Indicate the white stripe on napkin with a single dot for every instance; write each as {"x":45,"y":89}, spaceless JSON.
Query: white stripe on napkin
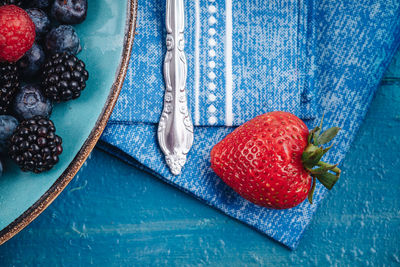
{"x":228,"y":64}
{"x":197,"y":65}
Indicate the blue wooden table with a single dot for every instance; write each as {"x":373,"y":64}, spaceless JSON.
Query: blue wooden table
{"x":114,"y":214}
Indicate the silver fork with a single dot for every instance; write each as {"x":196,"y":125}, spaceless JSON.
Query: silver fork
{"x":175,"y":128}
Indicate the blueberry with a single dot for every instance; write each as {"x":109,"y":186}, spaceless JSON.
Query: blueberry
{"x":30,"y":64}
{"x":42,"y":22}
{"x":42,"y":4}
{"x":63,"y":39}
{"x":8,"y":124}
{"x":69,"y":11}
{"x":30,"y":102}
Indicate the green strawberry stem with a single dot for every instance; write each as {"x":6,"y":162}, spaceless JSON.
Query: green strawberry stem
{"x":327,"y":174}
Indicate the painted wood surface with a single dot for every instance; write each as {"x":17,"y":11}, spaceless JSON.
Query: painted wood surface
{"x":115,"y":215}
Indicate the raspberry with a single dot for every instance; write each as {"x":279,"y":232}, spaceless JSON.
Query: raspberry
{"x":17,"y":33}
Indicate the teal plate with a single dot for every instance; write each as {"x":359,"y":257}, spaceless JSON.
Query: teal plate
{"x":107,"y":36}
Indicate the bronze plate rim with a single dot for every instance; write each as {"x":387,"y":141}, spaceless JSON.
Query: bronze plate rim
{"x":47,"y":198}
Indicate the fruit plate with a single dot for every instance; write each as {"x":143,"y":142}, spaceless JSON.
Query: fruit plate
{"x":107,"y":37}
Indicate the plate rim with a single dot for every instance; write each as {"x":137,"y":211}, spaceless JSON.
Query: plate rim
{"x":69,"y":173}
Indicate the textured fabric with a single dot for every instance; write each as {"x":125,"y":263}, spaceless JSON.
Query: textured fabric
{"x":355,"y":41}
{"x":265,"y":69}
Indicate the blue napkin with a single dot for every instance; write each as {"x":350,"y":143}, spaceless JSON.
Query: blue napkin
{"x":355,"y":41}
{"x":244,"y":58}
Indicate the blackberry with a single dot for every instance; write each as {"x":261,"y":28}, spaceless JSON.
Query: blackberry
{"x":34,"y":146}
{"x":64,"y":77}
{"x":9,"y":83}
{"x":11,"y":2}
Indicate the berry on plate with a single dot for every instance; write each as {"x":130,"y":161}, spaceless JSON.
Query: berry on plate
{"x":9,"y":84}
{"x":69,"y":11}
{"x":274,"y":161}
{"x":30,"y":102}
{"x":63,"y":39}
{"x":31,"y":63}
{"x":17,"y":33}
{"x":64,"y":77}
{"x":34,"y":146}
{"x":41,"y":21}
{"x":42,"y":4}
{"x":8,"y":124}
{"x":11,"y":2}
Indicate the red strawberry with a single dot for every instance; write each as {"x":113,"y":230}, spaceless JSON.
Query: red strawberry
{"x":270,"y":160}
{"x":17,"y":33}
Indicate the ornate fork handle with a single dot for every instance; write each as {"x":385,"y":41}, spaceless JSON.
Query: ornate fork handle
{"x":175,"y":129}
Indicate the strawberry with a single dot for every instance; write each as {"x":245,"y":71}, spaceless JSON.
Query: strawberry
{"x":274,"y":161}
{"x":17,"y":33}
